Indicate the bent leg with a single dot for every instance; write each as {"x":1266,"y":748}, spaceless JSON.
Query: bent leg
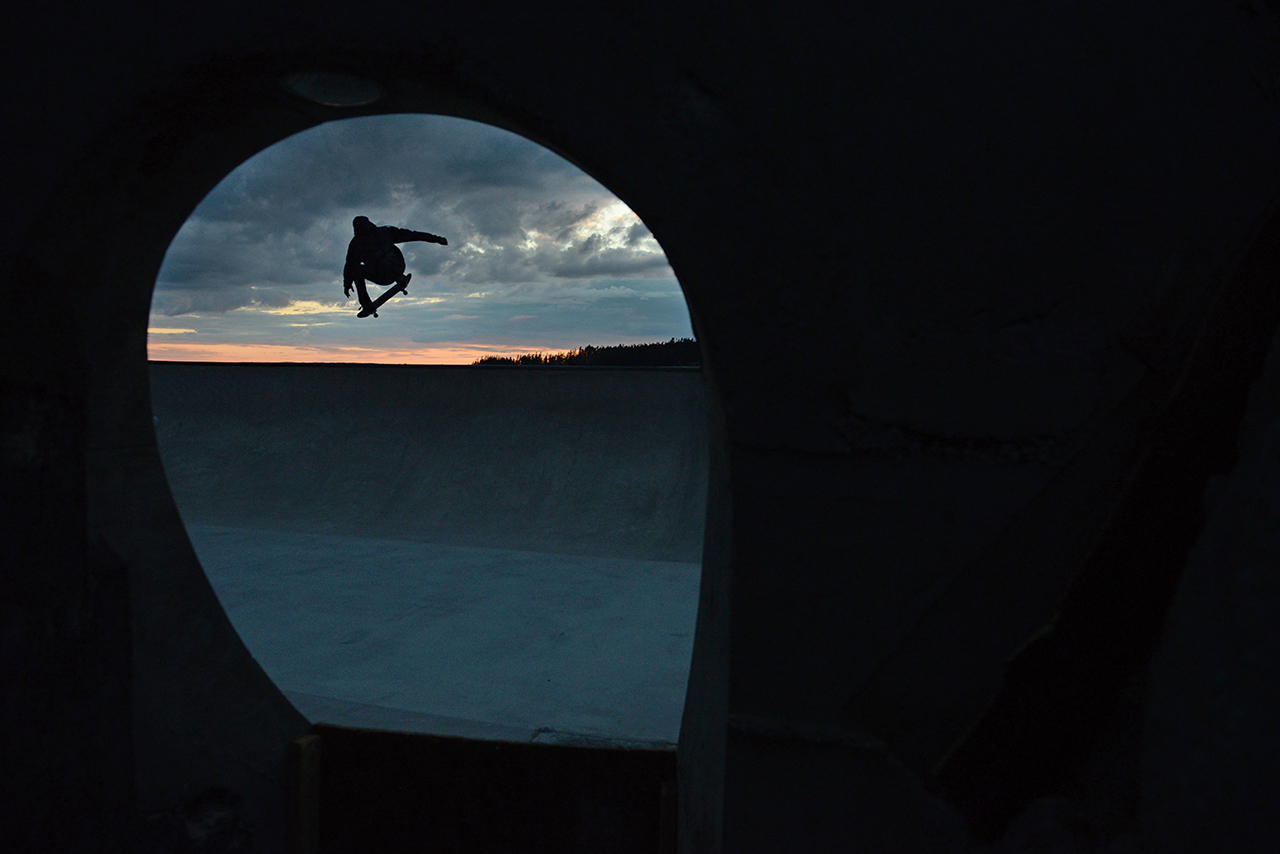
{"x":362,"y":293}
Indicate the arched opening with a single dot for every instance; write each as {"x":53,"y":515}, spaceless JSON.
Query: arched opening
{"x":508,"y":554}
{"x":204,"y":718}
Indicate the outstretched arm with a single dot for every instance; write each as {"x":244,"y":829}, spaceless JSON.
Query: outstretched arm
{"x":404,"y":235}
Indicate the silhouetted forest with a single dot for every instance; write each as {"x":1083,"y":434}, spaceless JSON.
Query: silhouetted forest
{"x":661,"y":354}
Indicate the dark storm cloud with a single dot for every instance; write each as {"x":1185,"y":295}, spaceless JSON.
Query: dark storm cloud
{"x":611,"y":262}
{"x":277,"y":227}
{"x":544,"y":315}
{"x":504,"y":265}
{"x":369,"y":162}
{"x":383,"y":162}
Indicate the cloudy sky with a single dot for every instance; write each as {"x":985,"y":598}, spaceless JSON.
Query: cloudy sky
{"x":541,"y":257}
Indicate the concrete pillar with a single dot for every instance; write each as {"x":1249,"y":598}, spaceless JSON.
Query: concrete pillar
{"x":1211,"y":749}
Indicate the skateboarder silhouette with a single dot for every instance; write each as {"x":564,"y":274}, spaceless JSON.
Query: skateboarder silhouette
{"x":373,"y":255}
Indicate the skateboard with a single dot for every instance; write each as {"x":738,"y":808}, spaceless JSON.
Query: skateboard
{"x":383,"y":297}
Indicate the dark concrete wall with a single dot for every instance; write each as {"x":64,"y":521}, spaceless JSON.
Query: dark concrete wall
{"x":1212,"y":746}
{"x":950,"y":265}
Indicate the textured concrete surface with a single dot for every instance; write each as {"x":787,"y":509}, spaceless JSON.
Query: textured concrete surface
{"x":342,"y":514}
{"x":483,"y":643}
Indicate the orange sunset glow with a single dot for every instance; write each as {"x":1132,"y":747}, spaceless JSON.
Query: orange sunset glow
{"x":444,"y":353}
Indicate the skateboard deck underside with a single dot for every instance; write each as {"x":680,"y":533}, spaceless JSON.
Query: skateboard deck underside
{"x":382,"y":300}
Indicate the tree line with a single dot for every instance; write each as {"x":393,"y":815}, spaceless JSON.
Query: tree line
{"x":682,"y":352}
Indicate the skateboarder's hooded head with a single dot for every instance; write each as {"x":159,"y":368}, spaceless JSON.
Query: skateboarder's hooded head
{"x":362,"y":225}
